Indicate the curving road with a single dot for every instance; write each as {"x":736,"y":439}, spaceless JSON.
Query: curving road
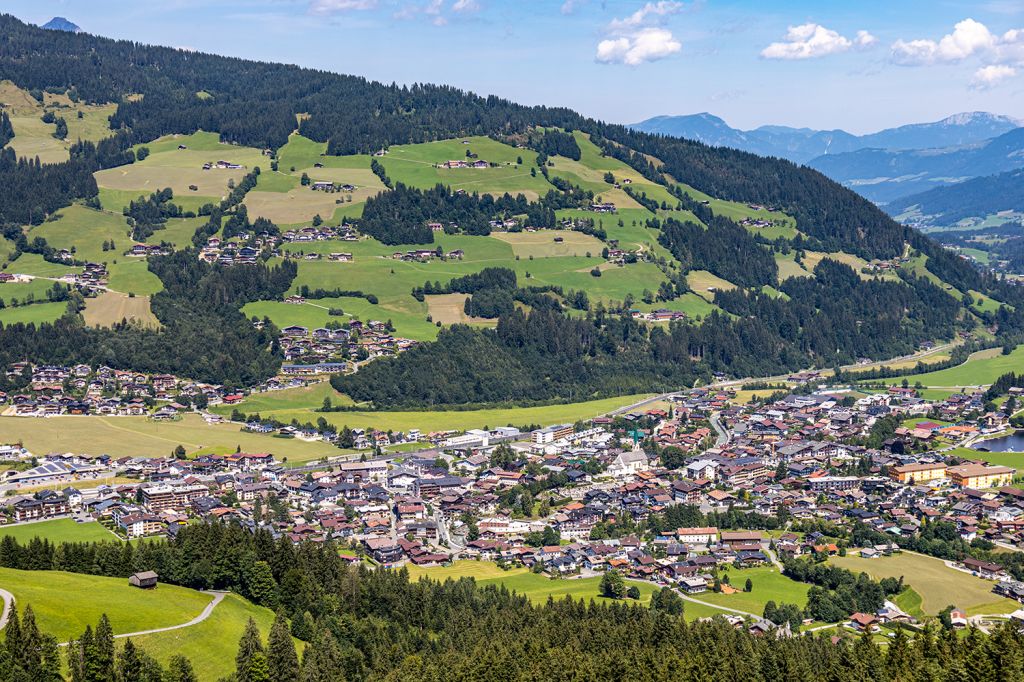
{"x":217,"y":598}
{"x":8,"y":607}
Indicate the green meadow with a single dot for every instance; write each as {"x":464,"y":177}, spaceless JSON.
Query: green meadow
{"x":981,"y":368}
{"x":65,"y":603}
{"x":301,"y":403}
{"x":59,"y":530}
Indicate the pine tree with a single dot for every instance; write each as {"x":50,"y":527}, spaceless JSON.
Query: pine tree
{"x":179,"y":669}
{"x":248,"y":647}
{"x":103,"y":643}
{"x":283,"y":662}
{"x":129,"y":664}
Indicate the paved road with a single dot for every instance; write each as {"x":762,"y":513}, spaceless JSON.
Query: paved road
{"x":8,"y":607}
{"x":723,"y":433}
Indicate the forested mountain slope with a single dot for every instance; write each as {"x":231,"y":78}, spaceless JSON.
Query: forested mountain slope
{"x":777,"y":267}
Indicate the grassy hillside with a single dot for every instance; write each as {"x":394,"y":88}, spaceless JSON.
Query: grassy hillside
{"x":65,"y":603}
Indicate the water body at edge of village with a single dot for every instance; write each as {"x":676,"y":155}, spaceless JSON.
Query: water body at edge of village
{"x":1012,"y":443}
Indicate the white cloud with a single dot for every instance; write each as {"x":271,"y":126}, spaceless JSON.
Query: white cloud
{"x":639,"y":37}
{"x":466,"y":6}
{"x":808,"y":41}
{"x":992,"y":75}
{"x":570,"y":6}
{"x":643,"y":16}
{"x":968,"y":38}
{"x":645,"y":45}
{"x":1000,"y":56}
{"x":334,"y":6}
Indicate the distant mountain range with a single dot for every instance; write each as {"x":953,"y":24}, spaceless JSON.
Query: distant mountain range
{"x":945,"y":206}
{"x":891,"y":167}
{"x":803,"y":144}
{"x":62,"y":24}
{"x":884,"y":176}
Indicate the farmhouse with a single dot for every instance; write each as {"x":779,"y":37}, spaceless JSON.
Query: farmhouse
{"x":145,"y":580}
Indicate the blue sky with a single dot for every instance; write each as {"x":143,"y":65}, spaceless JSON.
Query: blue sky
{"x":858,"y":65}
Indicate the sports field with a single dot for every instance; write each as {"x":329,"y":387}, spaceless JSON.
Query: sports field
{"x":59,"y":530}
{"x":65,"y":603}
{"x":111,"y":307}
{"x":938,"y":585}
{"x":139,"y":436}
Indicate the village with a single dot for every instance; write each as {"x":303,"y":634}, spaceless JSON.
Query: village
{"x":788,"y":477}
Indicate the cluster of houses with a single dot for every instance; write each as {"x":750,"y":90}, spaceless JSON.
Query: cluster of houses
{"x":327,"y":350}
{"x":328,"y":186}
{"x":229,"y":253}
{"x":427,"y":255}
{"x":51,"y":390}
{"x":465,"y":163}
{"x":320,"y":233}
{"x":797,"y":457}
{"x":222,"y":165}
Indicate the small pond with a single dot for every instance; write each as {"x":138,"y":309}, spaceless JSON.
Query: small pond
{"x":1012,"y":443}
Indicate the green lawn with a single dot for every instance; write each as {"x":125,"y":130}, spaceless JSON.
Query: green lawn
{"x":65,"y":603}
{"x":1008,"y":459}
{"x":59,"y":530}
{"x":316,"y":313}
{"x":768,"y":585}
{"x":937,"y":584}
{"x":36,"y":313}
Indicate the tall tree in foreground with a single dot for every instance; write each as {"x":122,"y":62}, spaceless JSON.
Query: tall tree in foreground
{"x":251,"y":660}
{"x":282,"y":660}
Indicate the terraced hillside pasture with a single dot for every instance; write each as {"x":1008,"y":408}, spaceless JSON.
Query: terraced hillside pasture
{"x":169,"y":166}
{"x":37,"y":313}
{"x":420,"y":165}
{"x":450,"y":309}
{"x":705,"y":284}
{"x":295,"y":206}
{"x":111,"y":307}
{"x":375,"y":270}
{"x":550,"y":243}
{"x":84,"y":231}
{"x":938,"y":585}
{"x":33,"y":138}
{"x":315,"y":313}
